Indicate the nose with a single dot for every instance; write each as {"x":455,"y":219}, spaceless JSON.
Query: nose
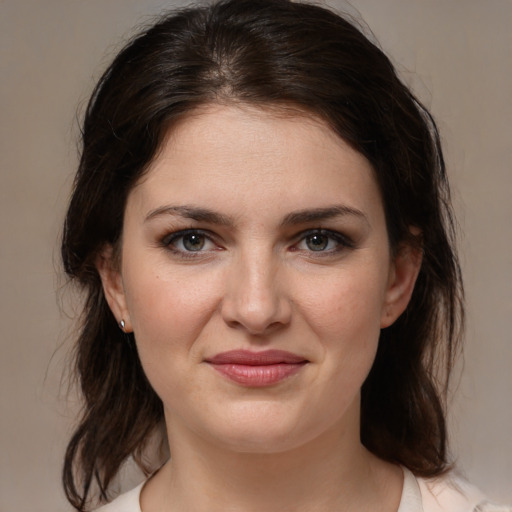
{"x":256,"y":297}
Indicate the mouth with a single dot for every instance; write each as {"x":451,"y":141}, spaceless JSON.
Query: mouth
{"x":257,"y":369}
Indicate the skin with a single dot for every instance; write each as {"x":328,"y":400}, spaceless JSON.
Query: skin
{"x":256,"y":283}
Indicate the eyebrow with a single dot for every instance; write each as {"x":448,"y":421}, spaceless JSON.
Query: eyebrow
{"x":294,"y":218}
{"x":191,"y":212}
{"x":318,"y":214}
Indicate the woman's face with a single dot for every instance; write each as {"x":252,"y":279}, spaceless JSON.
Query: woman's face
{"x":256,"y":275}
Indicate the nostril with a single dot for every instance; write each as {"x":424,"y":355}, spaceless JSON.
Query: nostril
{"x":275,"y":325}
{"x":253,"y":330}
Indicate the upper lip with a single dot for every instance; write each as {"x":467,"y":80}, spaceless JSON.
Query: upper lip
{"x":262,"y":358}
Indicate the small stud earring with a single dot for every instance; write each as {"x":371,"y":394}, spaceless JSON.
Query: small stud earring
{"x":122,"y":325}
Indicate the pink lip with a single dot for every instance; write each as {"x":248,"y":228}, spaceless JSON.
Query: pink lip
{"x":257,"y":369}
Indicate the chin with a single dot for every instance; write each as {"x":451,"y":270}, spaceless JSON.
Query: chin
{"x":258,"y":441}
{"x":265,"y":429}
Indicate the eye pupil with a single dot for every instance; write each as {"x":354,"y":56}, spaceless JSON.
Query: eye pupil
{"x":317,"y":242}
{"x":193,"y":242}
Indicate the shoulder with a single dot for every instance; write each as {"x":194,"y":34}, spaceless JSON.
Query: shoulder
{"x":451,"y":493}
{"x":127,"y":502}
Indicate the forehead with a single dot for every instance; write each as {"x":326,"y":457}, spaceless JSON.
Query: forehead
{"x":221,"y":153}
{"x":237,"y":129}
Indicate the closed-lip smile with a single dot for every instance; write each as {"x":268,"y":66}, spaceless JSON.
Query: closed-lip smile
{"x":257,"y":369}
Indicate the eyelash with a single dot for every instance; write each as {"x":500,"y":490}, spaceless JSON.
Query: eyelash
{"x":170,"y":241}
{"x":341,"y":241}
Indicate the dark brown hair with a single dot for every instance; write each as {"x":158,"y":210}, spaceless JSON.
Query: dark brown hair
{"x":268,"y":53}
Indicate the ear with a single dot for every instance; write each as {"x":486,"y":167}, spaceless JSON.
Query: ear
{"x":404,"y":270}
{"x":110,"y":274}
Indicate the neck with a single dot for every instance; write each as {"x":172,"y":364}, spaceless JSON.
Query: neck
{"x":331,"y":472}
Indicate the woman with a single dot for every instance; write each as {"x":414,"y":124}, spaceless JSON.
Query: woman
{"x":261,"y":222}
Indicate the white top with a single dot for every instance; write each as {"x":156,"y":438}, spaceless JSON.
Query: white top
{"x":444,"y":494}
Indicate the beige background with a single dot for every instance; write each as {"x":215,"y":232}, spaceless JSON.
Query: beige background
{"x":457,"y":54}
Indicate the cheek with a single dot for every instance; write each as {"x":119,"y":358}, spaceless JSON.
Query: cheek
{"x":168,"y":313}
{"x":162,"y":300}
{"x":347,"y":307}
{"x":345,"y":313}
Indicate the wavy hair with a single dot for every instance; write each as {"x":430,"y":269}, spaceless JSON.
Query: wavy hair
{"x":265,"y":53}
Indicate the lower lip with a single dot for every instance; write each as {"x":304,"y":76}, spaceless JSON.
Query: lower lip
{"x":260,"y":375}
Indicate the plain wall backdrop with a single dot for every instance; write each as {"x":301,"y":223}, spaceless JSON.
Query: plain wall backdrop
{"x":457,"y":55}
